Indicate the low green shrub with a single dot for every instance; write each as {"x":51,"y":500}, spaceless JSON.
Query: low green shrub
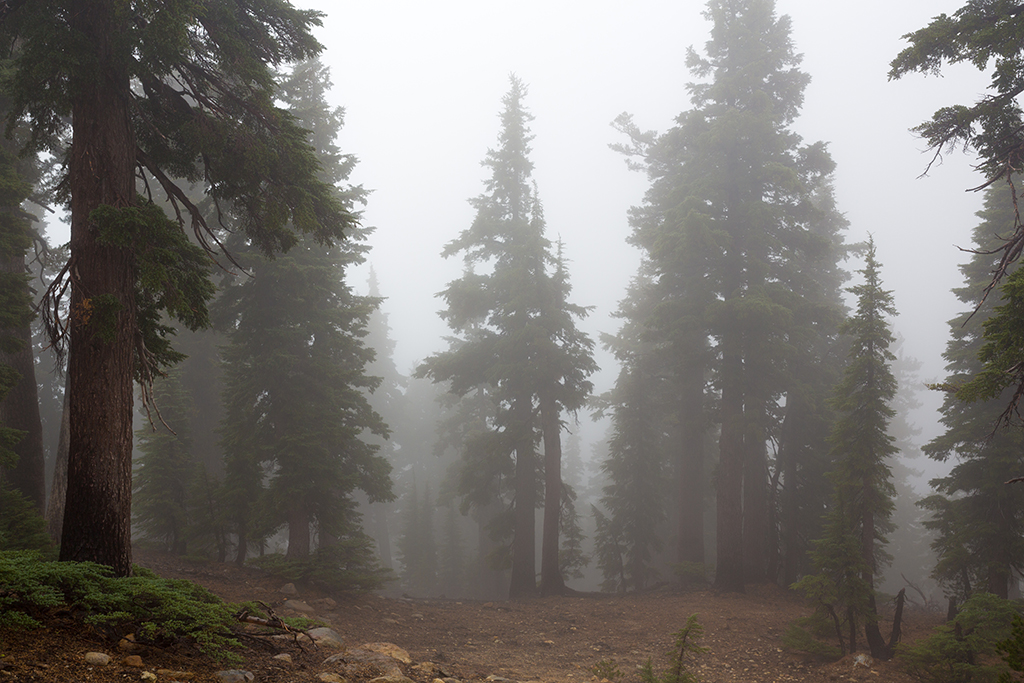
{"x":338,"y":568}
{"x":606,"y":669}
{"x":965,"y":649}
{"x":157,"y":611}
{"x":685,"y":646}
{"x":811,"y":635}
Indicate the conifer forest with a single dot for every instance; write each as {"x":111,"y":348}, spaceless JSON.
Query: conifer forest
{"x":279,"y":289}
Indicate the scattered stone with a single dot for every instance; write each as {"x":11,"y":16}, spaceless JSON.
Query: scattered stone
{"x":97,"y":658}
{"x":862,"y":660}
{"x":330,"y":603}
{"x":389,"y":621}
{"x":498,"y":679}
{"x":391,"y":678}
{"x":417,"y":616}
{"x":288,"y":589}
{"x":449,"y":679}
{"x":549,"y":643}
{"x":148,"y":676}
{"x":134,"y":661}
{"x":127,"y":643}
{"x":298,"y":606}
{"x":328,"y":677}
{"x":234,"y":676}
{"x":391,"y":650}
{"x":284,"y":657}
{"x":429,"y":669}
{"x":326,"y":637}
{"x":176,"y":675}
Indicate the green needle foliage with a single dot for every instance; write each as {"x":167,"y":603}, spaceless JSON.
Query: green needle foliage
{"x":685,"y":648}
{"x":157,"y":611}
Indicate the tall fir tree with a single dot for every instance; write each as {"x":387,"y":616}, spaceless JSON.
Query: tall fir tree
{"x":851,"y":553}
{"x":168,"y":91}
{"x":977,"y":518}
{"x":631,"y":530}
{"x":295,"y":369}
{"x":524,"y":345}
{"x":738,"y":207}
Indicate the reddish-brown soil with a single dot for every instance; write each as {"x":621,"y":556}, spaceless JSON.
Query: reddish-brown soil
{"x":545,"y":639}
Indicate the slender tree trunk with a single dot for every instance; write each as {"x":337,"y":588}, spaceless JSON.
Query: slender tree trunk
{"x":551,"y":581}
{"x":383,"y":533}
{"x":873,"y":635}
{"x":690,"y":539}
{"x":793,"y":552}
{"x":19,"y":409}
{"x":97,"y":514}
{"x":729,"y":568}
{"x":755,"y":507}
{"x":524,"y":551}
{"x":59,"y":485}
{"x":298,"y":532}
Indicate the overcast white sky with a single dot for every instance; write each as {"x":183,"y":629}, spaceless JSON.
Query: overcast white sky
{"x":422,"y":84}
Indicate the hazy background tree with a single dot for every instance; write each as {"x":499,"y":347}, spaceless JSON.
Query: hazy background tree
{"x":851,"y":553}
{"x":977,"y":518}
{"x":521,"y":341}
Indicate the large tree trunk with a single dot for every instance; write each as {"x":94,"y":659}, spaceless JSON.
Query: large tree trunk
{"x":755,"y":504}
{"x":690,"y":539}
{"x":792,"y":550}
{"x":19,"y":409}
{"x":729,"y":569}
{"x":298,"y":532}
{"x":101,"y":171}
{"x":524,"y":552}
{"x":59,"y":485}
{"x":876,"y":643}
{"x":551,"y":581}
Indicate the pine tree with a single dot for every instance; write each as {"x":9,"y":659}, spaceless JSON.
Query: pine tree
{"x":168,"y":91}
{"x":165,"y":470}
{"x":851,"y":553}
{"x":295,"y":372}
{"x":977,"y":518}
{"x":636,"y":467}
{"x":417,"y":547}
{"x":737,"y":206}
{"x":524,"y":346}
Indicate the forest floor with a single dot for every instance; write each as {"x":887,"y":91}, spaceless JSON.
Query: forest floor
{"x":544,"y":639}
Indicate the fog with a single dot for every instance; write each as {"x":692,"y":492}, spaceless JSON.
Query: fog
{"x":422,"y":85}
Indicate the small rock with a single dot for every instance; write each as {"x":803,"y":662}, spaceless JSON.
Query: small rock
{"x":497,"y":679}
{"x":391,"y":678}
{"x":128,"y":644}
{"x":176,"y":675}
{"x":391,"y":650}
{"x":417,"y":616}
{"x":326,"y":636}
{"x":298,"y":606}
{"x":389,"y":621}
{"x":234,"y":676}
{"x":330,"y":603}
{"x":148,"y":676}
{"x":284,"y":657}
{"x":288,"y":589}
{"x":328,"y":677}
{"x":97,"y":658}
{"x":132,"y":661}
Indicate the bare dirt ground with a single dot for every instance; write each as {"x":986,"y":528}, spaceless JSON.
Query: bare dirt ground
{"x":544,"y":639}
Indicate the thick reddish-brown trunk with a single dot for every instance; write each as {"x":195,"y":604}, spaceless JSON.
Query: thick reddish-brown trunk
{"x":101,"y":169}
{"x":19,"y":409}
{"x":551,"y":581}
{"x":298,"y":532}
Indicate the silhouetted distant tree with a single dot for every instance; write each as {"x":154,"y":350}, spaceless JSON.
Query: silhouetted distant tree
{"x":742,"y":233}
{"x":521,"y":343}
{"x":295,"y":370}
{"x":851,"y":553}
